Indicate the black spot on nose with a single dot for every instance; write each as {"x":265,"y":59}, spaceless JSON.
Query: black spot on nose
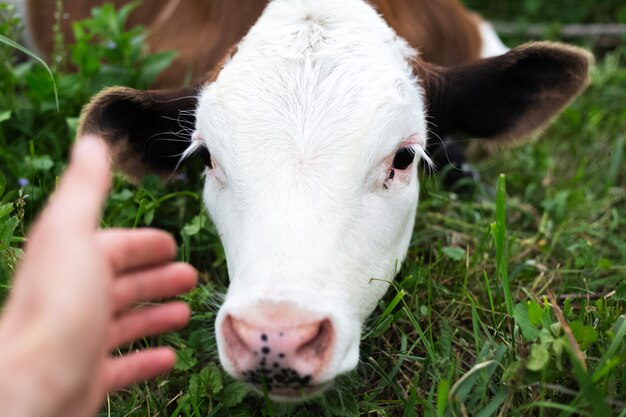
{"x":265,"y":350}
{"x":281,"y":355}
{"x":264,"y":337}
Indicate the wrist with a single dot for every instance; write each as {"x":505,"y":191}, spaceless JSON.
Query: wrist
{"x":30,"y":382}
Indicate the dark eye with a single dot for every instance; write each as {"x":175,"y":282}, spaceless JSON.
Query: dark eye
{"x":403,"y":158}
{"x":205,"y":156}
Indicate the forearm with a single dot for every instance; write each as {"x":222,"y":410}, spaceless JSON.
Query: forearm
{"x":30,"y":385}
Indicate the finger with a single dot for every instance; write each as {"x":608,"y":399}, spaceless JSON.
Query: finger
{"x":148,"y":321}
{"x":137,"y":367}
{"x":153,"y":284}
{"x":77,"y":201}
{"x":140,"y":248}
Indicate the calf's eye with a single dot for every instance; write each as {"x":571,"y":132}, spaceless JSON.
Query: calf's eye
{"x":403,"y":158}
{"x":205,"y":156}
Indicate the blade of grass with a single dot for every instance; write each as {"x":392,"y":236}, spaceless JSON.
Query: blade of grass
{"x":611,"y":351}
{"x":422,"y":335}
{"x":13,"y":44}
{"x":493,"y":405}
{"x":616,"y":161}
{"x":554,"y":406}
{"x":491,"y":305}
{"x":442,"y":397}
{"x":498,"y":230}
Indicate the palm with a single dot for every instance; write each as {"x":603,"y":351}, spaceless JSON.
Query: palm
{"x":78,"y":295}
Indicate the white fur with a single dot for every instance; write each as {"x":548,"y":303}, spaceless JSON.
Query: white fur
{"x":491,"y":43}
{"x":301,"y":125}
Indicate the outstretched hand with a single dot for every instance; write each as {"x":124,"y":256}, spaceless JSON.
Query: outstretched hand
{"x":75,"y":298}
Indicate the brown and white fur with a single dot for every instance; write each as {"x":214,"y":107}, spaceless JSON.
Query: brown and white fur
{"x":311,"y":132}
{"x":202,"y":32}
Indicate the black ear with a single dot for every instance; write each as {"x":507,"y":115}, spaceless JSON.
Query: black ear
{"x":508,"y":96}
{"x":147,"y":131}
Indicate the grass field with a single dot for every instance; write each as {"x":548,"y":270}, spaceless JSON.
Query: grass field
{"x":509,"y":304}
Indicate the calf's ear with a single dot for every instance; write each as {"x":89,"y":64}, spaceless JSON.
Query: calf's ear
{"x":146,"y":131}
{"x":505,"y":97}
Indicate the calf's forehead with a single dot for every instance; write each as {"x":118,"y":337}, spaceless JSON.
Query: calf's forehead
{"x":296,"y":104}
{"x":350,"y":92}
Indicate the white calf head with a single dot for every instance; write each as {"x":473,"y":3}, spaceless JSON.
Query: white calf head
{"x":303,"y":126}
{"x":311,"y":134}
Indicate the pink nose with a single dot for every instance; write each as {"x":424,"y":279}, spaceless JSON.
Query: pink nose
{"x":278,"y":354}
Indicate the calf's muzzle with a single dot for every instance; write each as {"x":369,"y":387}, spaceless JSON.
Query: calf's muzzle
{"x":278,"y":348}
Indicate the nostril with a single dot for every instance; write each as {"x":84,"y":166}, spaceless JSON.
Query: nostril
{"x":232,"y":330}
{"x":319,"y":344}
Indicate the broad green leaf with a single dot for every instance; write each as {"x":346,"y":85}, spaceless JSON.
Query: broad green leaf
{"x":494,"y":404}
{"x":233,"y":393}
{"x":207,"y":381}
{"x":125,"y":11}
{"x":5,"y":210}
{"x":585,"y":335}
{"x":535,"y":313}
{"x":194,"y":226}
{"x":7,"y":227}
{"x":148,"y":217}
{"x":72,"y":125}
{"x":5,"y":115}
{"x":41,"y":163}
{"x":511,"y":372}
{"x":538,"y":359}
{"x":520,"y":314}
{"x":123,"y":195}
{"x":214,"y":382}
{"x":546,"y":337}
{"x":558,"y":346}
{"x":556,"y":329}
{"x":456,"y":254}
{"x":185,"y":360}
{"x":154,"y":65}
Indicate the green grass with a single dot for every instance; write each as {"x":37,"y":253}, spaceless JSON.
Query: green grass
{"x":467,"y":329}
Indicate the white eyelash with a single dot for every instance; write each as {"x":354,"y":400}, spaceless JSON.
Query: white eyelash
{"x":421,"y":151}
{"x":192,"y":149}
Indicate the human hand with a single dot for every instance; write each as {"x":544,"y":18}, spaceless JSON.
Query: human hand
{"x":73,"y":301}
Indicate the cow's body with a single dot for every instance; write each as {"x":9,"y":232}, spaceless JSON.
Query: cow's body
{"x":311,"y":132}
{"x":203,"y":32}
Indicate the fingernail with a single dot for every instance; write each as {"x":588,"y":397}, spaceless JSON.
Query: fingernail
{"x":87,"y":146}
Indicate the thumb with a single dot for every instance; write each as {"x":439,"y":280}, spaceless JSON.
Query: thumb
{"x":83,"y":187}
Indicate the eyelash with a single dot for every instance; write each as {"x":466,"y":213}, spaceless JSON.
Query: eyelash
{"x":205,"y":157}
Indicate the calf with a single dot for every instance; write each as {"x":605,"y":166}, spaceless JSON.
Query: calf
{"x":311,"y":132}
